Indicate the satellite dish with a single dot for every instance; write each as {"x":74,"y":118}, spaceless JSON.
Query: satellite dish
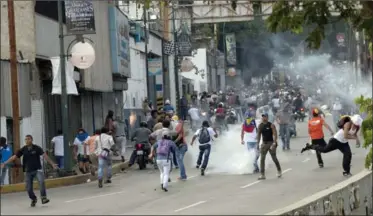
{"x":82,"y":55}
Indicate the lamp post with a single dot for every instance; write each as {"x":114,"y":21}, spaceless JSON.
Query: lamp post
{"x":176,"y":60}
{"x":146,"y":52}
{"x":64,"y":96}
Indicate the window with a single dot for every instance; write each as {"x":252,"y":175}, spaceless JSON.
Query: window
{"x":49,"y":9}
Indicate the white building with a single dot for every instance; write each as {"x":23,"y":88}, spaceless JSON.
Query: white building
{"x":199,"y":81}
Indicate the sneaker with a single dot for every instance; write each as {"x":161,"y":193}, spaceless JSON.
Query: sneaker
{"x":347,"y":174}
{"x":197,"y":166}
{"x":164,"y":189}
{"x":44,"y":200}
{"x":181,"y":179}
{"x":279,"y":174}
{"x":33,"y":202}
{"x":262,"y":177}
{"x":202,"y":172}
{"x":308,"y":147}
{"x":256,"y":171}
{"x":108,"y":181}
{"x":169,"y":179}
{"x":321,"y":165}
{"x":99,"y":183}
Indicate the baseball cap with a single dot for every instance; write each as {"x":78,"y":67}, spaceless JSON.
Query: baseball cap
{"x":265,"y":115}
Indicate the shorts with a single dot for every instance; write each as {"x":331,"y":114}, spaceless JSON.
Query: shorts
{"x":83,"y":159}
{"x":320,"y":142}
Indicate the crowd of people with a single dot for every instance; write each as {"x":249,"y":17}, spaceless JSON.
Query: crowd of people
{"x":259,"y":108}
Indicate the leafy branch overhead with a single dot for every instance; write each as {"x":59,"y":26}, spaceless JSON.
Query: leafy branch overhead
{"x":294,"y":15}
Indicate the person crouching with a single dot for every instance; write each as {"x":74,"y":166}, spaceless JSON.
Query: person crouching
{"x":163,"y":149}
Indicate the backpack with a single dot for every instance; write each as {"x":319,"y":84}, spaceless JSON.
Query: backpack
{"x":204,"y":136}
{"x":343,"y":121}
{"x":164,"y":148}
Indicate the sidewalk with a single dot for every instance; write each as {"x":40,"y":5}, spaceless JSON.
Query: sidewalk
{"x":80,"y":178}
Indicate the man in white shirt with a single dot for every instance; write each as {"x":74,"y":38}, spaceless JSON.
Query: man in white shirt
{"x":104,"y":143}
{"x":205,"y":140}
{"x":58,"y":149}
{"x":194,"y":116}
{"x":81,"y":150}
{"x":276,"y":104}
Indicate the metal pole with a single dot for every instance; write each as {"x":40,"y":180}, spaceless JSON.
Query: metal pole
{"x":146,"y":53}
{"x":64,"y":96}
{"x":14,"y":85}
{"x":176,"y":61}
{"x":225,"y":51}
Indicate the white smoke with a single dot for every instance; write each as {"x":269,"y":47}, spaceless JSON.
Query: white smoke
{"x":228,"y":155}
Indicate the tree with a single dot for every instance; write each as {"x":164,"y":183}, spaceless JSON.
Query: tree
{"x":293,"y":15}
{"x":366,"y":107}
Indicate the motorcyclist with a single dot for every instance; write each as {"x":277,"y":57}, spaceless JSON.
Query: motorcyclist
{"x":220,"y":114}
{"x":141,"y":135}
{"x":298,"y":103}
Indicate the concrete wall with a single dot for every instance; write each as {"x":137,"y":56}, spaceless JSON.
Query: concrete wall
{"x":25,"y":29}
{"x":350,"y":197}
{"x":137,"y":88}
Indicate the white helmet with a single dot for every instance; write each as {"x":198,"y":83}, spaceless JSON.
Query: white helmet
{"x":167,"y":102}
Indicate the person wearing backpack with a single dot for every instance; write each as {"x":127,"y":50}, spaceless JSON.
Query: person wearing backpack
{"x":163,"y":149}
{"x":348,"y":129}
{"x":204,"y":135}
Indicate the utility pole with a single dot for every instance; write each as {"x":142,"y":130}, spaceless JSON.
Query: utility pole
{"x":146,"y":52}
{"x":64,"y":96}
{"x":14,"y":85}
{"x":176,"y":60}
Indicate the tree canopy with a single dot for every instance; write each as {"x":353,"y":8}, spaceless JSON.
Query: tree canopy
{"x":293,"y":15}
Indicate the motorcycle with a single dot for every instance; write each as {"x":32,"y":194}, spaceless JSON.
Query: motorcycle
{"x":300,"y":114}
{"x":141,"y":155}
{"x":232,"y":116}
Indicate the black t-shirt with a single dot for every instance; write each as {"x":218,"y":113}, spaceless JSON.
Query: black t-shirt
{"x":31,"y":157}
{"x":266,"y":130}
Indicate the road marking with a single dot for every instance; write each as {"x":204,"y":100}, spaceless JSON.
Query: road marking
{"x":287,"y":170}
{"x":93,"y":197}
{"x":190,"y":206}
{"x":192,"y":177}
{"x":251,"y":184}
{"x":307,"y":159}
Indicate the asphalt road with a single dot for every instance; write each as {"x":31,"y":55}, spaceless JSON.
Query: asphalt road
{"x":138,"y":192}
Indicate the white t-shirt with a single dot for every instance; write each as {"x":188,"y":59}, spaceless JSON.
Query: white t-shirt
{"x":58,"y":145}
{"x":194,"y":113}
{"x":211,"y":132}
{"x":81,"y":145}
{"x":276,"y":102}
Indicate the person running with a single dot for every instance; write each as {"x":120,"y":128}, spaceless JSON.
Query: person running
{"x":104,"y":152}
{"x":315,"y":130}
{"x":204,"y":135}
{"x":348,"y":129}
{"x":248,"y":137}
{"x":33,"y":169}
{"x":163,"y":149}
{"x":267,"y":132}
{"x":81,"y":149}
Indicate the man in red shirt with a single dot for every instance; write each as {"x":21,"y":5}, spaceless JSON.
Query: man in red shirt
{"x":315,"y":130}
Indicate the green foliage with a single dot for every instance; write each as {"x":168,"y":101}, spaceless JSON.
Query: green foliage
{"x":294,"y":15}
{"x":366,"y":106}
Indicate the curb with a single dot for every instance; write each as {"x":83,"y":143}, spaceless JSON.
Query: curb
{"x":60,"y":182}
{"x":289,"y":210}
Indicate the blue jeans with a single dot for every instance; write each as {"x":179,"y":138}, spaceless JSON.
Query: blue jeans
{"x":285,"y":136}
{"x":3,"y":173}
{"x":102,"y":164}
{"x":180,"y":153}
{"x":60,"y":161}
{"x":204,"y":151}
{"x":253,"y":146}
{"x":30,"y":176}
